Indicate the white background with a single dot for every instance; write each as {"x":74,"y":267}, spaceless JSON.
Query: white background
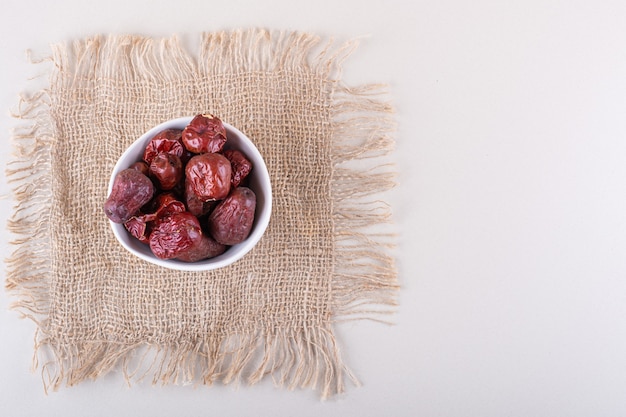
{"x":511,"y":153}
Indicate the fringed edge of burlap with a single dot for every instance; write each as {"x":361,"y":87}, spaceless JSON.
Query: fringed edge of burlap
{"x":364,"y":281}
{"x":28,"y":172}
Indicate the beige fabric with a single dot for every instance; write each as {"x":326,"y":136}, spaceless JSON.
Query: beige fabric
{"x":98,"y":308}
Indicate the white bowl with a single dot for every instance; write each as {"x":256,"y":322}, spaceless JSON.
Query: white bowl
{"x":259,"y":182}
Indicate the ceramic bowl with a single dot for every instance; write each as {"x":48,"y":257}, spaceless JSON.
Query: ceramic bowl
{"x":259,"y":182}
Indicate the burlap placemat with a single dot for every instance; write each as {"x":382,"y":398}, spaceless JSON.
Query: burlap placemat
{"x":98,"y":308}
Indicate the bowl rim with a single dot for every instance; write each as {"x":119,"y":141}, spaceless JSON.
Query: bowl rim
{"x":262,"y":218}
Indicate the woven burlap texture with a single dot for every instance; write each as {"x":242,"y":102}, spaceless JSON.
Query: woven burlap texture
{"x":98,"y":308}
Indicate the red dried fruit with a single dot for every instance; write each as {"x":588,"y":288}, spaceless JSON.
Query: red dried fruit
{"x":168,"y":140}
{"x":196,"y":206}
{"x":205,"y":133}
{"x":200,"y":180}
{"x":240,"y":165}
{"x":186,"y":156}
{"x":131,"y":190}
{"x":231,"y":221}
{"x":203,"y":249}
{"x":167,"y":170}
{"x":174,"y":234}
{"x":162,"y":206}
{"x":139,"y":227}
{"x":167,"y":204}
{"x":141,"y":167}
{"x":209,"y":176}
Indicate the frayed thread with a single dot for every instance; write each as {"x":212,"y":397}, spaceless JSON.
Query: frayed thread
{"x":365,"y":282}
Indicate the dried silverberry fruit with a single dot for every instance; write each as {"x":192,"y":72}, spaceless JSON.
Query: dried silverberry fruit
{"x":167,"y":204}
{"x":240,"y":165}
{"x":186,"y":156}
{"x":209,"y":176}
{"x":167,"y":169}
{"x":142,"y":167}
{"x":203,"y":249}
{"x":139,"y":227}
{"x":231,"y":221}
{"x":174,"y":234}
{"x":205,"y":133}
{"x":131,"y":190}
{"x":196,"y":206}
{"x":168,"y":140}
{"x":186,"y":176}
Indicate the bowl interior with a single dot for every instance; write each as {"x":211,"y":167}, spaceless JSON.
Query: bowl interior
{"x":259,"y":182}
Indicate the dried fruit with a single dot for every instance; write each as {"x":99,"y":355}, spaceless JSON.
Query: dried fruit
{"x":168,"y":140}
{"x":186,"y":156}
{"x":167,"y":204}
{"x":195,"y":205}
{"x":205,"y":133}
{"x":142,"y":167}
{"x":231,"y":221}
{"x":167,"y":170}
{"x":240,"y":166}
{"x":131,"y":190}
{"x":203,"y":249}
{"x":185,"y":176}
{"x":139,"y":227}
{"x":209,"y":176}
{"x":174,"y":234}
{"x":162,"y":206}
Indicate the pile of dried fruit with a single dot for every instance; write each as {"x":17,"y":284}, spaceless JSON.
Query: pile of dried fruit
{"x":187,"y":198}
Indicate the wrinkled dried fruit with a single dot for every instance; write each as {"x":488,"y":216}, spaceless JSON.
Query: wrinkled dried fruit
{"x":186,"y":177}
{"x":141,"y":167}
{"x":168,"y":140}
{"x":231,"y":221}
{"x":240,"y":166}
{"x":209,"y":176}
{"x":196,"y":206}
{"x":174,"y":234}
{"x":139,"y":227}
{"x":205,"y":133}
{"x":167,"y":170}
{"x":131,"y":190}
{"x":203,"y":249}
{"x":167,"y":204}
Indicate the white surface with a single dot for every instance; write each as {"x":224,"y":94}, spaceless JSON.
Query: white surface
{"x":512,"y":207}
